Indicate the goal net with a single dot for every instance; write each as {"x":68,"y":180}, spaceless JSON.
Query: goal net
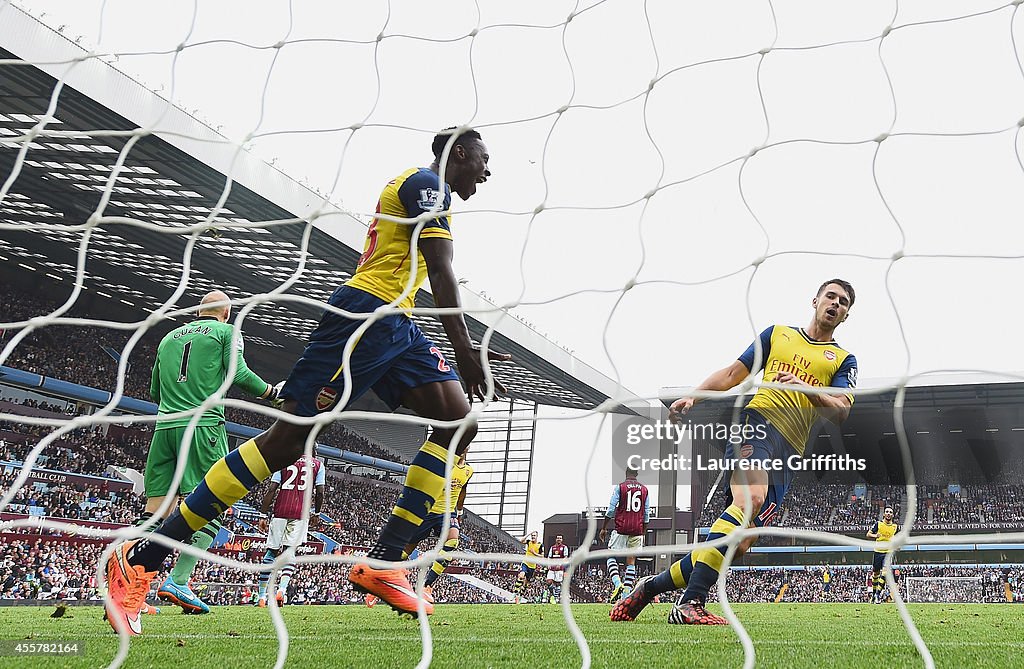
{"x":665,"y":176}
{"x":951,"y":589}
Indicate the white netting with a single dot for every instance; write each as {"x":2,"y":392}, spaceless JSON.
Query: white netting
{"x":614,"y":138}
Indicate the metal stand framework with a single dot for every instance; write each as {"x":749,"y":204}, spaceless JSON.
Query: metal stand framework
{"x":502,"y":459}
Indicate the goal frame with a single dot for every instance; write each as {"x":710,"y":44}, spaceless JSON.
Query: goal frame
{"x":910,"y":580}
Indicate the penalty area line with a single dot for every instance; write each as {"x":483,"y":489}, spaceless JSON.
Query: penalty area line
{"x":570,"y":641}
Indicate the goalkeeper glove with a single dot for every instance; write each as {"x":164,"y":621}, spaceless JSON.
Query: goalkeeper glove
{"x":273,"y":395}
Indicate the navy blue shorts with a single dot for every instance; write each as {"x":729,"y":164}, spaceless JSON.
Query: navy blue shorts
{"x":528,"y":570}
{"x":765,"y":444}
{"x":392,"y":356}
{"x":877,"y":562}
{"x":431,"y":527}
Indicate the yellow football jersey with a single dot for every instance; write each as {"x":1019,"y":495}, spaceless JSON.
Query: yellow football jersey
{"x":386,"y":264}
{"x":534,"y":548}
{"x":460,"y":477}
{"x":885,"y":532}
{"x":817,"y":363}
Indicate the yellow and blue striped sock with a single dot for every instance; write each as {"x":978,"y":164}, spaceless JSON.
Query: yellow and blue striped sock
{"x":707,"y":562}
{"x":424,"y":482}
{"x":228,"y":481}
{"x":673,"y":578}
{"x":442,"y":561}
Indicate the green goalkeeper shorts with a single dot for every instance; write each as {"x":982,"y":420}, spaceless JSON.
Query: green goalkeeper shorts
{"x":209,"y":444}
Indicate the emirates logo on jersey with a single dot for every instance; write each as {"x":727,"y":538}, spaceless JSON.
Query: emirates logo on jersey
{"x":830,"y":355}
{"x":326,"y":398}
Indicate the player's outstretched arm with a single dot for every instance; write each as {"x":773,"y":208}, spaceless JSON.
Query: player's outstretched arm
{"x":726,"y":378}
{"x":461,"y":503}
{"x":437,"y":253}
{"x":268,"y":503}
{"x":154,"y":381}
{"x":318,"y":498}
{"x":613,"y":504}
{"x":246,"y":379}
{"x":833,"y":408}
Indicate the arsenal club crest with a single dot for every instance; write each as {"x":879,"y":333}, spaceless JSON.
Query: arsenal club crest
{"x":326,"y":398}
{"x":830,"y":355}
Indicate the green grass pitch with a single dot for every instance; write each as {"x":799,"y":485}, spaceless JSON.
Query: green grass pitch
{"x":785,"y":635}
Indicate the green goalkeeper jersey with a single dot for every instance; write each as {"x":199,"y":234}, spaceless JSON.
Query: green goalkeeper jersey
{"x":191,"y":364}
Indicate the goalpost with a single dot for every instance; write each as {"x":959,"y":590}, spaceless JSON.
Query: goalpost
{"x":694,"y":159}
{"x":946,"y":589}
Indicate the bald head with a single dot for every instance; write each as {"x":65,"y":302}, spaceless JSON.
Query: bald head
{"x":221,"y":312}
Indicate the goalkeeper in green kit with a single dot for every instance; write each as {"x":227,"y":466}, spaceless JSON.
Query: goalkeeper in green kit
{"x":191,"y":365}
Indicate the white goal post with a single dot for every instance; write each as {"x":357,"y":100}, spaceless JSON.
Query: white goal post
{"x":691,"y":158}
{"x":943,"y":588}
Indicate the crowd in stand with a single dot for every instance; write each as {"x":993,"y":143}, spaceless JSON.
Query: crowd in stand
{"x":811,"y":505}
{"x":328,"y":584}
{"x":73,"y":353}
{"x":48,"y":569}
{"x":358,"y":508}
{"x":79,"y":452}
{"x":36,"y":567}
{"x":73,"y":502}
{"x":42,"y":405}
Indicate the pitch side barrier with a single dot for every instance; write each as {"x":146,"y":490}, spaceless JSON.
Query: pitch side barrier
{"x":94,"y":396}
{"x":903,"y":549}
{"x":843,"y":567}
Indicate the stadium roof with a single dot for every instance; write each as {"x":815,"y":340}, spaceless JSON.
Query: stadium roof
{"x":173,"y":178}
{"x":562,"y":518}
{"x":926,"y":391}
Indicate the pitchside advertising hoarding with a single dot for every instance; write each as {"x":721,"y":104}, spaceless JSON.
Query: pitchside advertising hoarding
{"x":49,"y":476}
{"x":99,"y":524}
{"x":251,"y":546}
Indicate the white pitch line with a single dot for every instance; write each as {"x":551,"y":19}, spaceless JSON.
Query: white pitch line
{"x":473,"y":639}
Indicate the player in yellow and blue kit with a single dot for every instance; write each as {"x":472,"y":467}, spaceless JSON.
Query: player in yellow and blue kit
{"x":393,"y":357}
{"x":883,"y":530}
{"x":534,"y":548}
{"x":778,"y":423}
{"x":434,"y":521}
